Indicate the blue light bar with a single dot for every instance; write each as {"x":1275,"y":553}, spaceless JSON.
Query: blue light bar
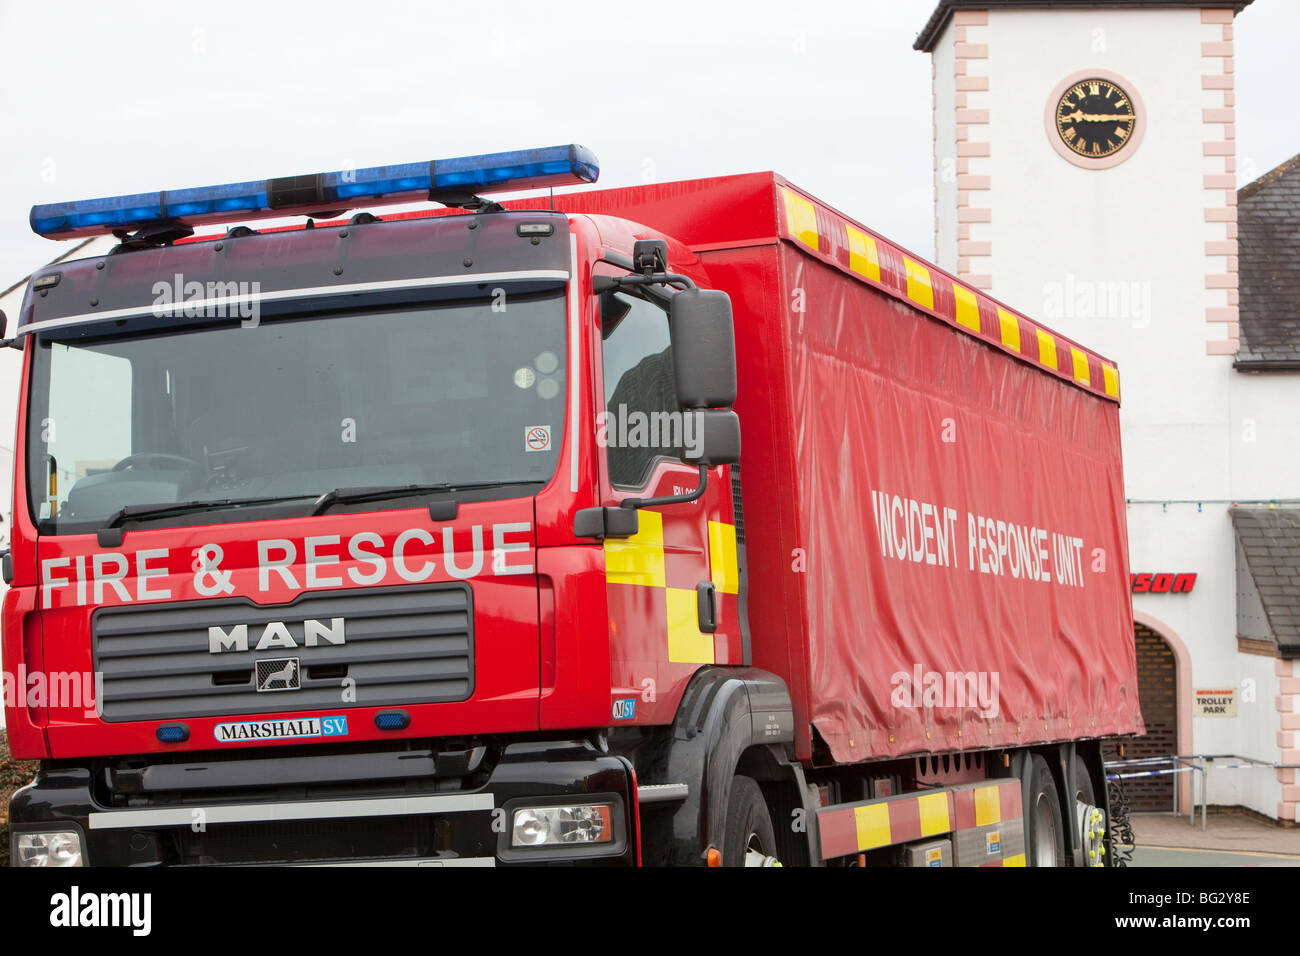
{"x":378,"y":181}
{"x":519,"y":169}
{"x":440,"y":180}
{"x":235,"y":197}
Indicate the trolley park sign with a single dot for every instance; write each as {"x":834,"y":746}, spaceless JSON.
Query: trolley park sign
{"x":1164,"y":582}
{"x":1215,"y":702}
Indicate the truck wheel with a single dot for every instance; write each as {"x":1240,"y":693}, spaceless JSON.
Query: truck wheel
{"x":1093,"y":830}
{"x":749,"y":840}
{"x":1083,"y":791}
{"x":1045,"y":832}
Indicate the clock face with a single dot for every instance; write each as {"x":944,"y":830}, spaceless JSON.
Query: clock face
{"x":1095,"y":118}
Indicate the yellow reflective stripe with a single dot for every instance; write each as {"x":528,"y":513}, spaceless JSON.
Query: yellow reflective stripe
{"x":1110,"y":375}
{"x":1080,"y":366}
{"x":919,"y":289}
{"x":934,"y":813}
{"x":1017,"y":860}
{"x":1010,"y":329}
{"x":801,"y":218}
{"x":863,"y":257}
{"x":724,"y":569}
{"x":968,"y":307}
{"x":988,"y":806}
{"x":640,"y":558}
{"x":686,"y":643}
{"x":873,"y":825}
{"x":1046,"y":348}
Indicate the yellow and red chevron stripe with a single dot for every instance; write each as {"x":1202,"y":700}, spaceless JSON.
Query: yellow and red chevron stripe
{"x":643,"y":561}
{"x":873,"y":259}
{"x":850,"y":828}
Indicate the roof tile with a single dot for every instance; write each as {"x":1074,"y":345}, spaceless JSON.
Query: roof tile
{"x":1272,"y":535}
{"x":1268,"y":223}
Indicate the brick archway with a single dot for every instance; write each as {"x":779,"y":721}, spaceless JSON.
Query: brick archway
{"x":1158,"y":697}
{"x":1164,"y":695}
{"x":1170,"y":700}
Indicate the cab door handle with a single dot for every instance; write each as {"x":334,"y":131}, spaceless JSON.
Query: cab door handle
{"x":707,"y":603}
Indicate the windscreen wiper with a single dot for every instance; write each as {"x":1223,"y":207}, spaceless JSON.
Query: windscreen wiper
{"x":344,"y":495}
{"x":135,"y":512}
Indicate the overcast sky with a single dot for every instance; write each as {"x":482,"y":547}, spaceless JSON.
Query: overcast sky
{"x":102,"y":99}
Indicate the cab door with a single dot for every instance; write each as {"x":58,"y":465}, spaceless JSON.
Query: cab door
{"x":672,"y":588}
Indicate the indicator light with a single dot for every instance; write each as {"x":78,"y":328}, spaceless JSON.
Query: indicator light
{"x":172,"y":733}
{"x":393,"y":720}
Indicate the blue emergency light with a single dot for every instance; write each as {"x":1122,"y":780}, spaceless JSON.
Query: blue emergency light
{"x":452,"y":181}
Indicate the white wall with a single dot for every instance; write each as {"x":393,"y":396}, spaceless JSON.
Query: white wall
{"x":1256,"y":736}
{"x":1263,"y":434}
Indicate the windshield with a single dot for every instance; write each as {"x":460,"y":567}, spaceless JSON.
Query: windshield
{"x":463,"y":392}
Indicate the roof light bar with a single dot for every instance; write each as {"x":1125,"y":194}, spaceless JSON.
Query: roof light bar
{"x":451,"y":180}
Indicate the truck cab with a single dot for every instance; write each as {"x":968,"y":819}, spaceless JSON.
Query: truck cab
{"x":359,"y":541}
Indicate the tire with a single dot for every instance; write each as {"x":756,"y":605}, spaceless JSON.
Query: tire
{"x":1045,"y":830}
{"x":1083,"y":790}
{"x":749,"y":826}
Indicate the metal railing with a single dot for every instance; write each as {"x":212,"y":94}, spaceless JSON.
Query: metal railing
{"x":1199,"y":765}
{"x":1165,"y":766}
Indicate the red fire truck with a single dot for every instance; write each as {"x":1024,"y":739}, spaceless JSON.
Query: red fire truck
{"x":425,"y":538}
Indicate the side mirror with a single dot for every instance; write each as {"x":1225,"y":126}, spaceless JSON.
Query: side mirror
{"x":601,"y":523}
{"x":716,"y":438}
{"x":704,"y":348}
{"x":5,"y":341}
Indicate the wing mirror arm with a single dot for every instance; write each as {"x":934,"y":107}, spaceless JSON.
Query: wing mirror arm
{"x":624,"y":521}
{"x":635,"y":503}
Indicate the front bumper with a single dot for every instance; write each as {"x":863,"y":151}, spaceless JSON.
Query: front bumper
{"x":278,"y":820}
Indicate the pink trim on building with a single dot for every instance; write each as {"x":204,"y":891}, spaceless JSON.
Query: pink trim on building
{"x":967,"y":120}
{"x":1288,"y":708}
{"x":1219,"y":144}
{"x":934,"y":141}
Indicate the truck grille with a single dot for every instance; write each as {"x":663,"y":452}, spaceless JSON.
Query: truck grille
{"x":399,"y":646}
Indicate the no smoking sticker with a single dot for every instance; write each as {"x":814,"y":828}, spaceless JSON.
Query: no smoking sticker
{"x":537,"y":438}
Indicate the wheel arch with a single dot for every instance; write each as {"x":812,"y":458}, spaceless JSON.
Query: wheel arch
{"x":734,"y":721}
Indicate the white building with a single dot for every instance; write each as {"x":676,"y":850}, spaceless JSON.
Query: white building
{"x":1086,"y":175}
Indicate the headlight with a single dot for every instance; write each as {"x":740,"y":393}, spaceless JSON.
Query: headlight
{"x":554,"y":826}
{"x":48,"y":848}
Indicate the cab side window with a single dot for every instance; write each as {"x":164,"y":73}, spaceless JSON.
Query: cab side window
{"x":642,"y":417}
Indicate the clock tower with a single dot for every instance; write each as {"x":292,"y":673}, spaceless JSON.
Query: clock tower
{"x":1085,"y":163}
{"x":1086,"y":174}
